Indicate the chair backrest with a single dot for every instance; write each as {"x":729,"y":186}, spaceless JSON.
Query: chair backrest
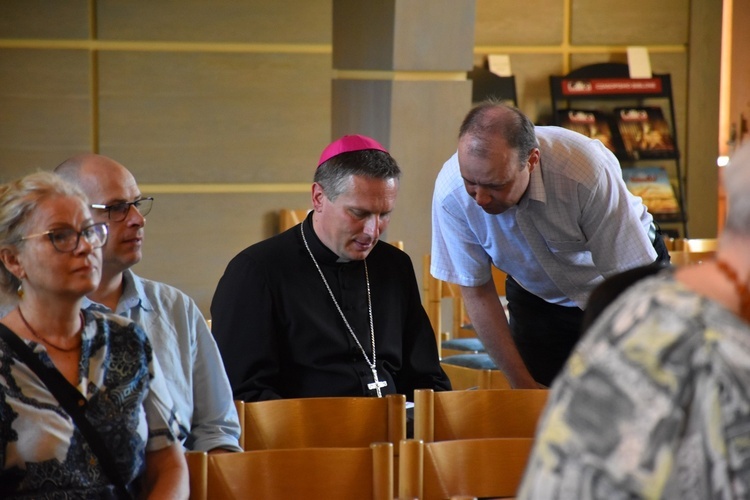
{"x":240,"y":407}
{"x":478,"y":468}
{"x":464,"y":377}
{"x":447,"y":415}
{"x":432,"y":297}
{"x":197,"y":463}
{"x":499,"y":277}
{"x":362,"y":473}
{"x":684,"y":257}
{"x":435,"y":290}
{"x":289,"y":218}
{"x":700,"y":244}
{"x":324,"y":422}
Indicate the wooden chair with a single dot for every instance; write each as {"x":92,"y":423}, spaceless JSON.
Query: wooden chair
{"x":289,"y":218}
{"x":447,"y":415}
{"x":700,"y":244}
{"x":478,"y":468}
{"x":240,"y":407}
{"x":324,"y":422}
{"x":434,"y":290}
{"x":693,"y":251}
{"x":197,"y":463}
{"x":464,"y":377}
{"x":672,"y":243}
{"x":461,"y":346}
{"x":364,"y":472}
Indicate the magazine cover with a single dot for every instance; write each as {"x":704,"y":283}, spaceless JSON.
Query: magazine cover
{"x":592,"y":124}
{"x":644,"y":132}
{"x":653,"y":186}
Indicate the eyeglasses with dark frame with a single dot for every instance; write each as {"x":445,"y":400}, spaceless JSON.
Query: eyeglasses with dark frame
{"x":117,"y":212}
{"x":66,"y":240}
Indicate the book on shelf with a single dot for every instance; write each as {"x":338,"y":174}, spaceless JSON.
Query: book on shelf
{"x":593,"y":124}
{"x":652,"y":184}
{"x":644,"y":132}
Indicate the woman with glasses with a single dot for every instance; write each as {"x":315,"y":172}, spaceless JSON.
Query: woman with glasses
{"x":83,"y":408}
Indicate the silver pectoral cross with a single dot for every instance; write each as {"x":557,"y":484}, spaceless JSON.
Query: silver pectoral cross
{"x":377,"y":384}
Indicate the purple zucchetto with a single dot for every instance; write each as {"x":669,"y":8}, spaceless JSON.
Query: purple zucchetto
{"x":347,"y":144}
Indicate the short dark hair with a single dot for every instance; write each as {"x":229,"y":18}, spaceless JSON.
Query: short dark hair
{"x":334,"y":173}
{"x":490,"y":119}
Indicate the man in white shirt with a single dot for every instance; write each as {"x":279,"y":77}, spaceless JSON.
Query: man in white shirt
{"x":549,"y":207}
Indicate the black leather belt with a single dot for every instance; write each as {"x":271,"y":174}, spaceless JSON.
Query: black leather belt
{"x":652,"y":232}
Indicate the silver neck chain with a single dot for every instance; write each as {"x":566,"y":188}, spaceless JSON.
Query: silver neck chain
{"x":372,"y":363}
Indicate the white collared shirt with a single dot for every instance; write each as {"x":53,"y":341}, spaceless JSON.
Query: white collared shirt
{"x":576,"y":224}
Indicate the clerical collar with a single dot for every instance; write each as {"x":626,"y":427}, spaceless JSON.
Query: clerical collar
{"x":322,"y":253}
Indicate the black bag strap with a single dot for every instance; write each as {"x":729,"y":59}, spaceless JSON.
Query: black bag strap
{"x":72,"y":402}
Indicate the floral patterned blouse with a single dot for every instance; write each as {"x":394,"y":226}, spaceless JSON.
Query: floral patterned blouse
{"x":43,"y":455}
{"x":654,"y":403}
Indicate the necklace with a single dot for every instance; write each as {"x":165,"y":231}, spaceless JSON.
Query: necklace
{"x":47,"y":342}
{"x":376,"y":383}
{"x":743,"y":290}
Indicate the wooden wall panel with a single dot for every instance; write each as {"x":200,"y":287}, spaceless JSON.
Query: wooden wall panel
{"x":248,"y":21}
{"x":417,"y":35}
{"x":434,"y":35}
{"x":207,"y":117}
{"x":44,"y":19}
{"x":45,"y":108}
{"x":702,"y":146}
{"x":519,"y":22}
{"x":635,"y":22}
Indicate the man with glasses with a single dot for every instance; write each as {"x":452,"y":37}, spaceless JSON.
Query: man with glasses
{"x":178,"y":331}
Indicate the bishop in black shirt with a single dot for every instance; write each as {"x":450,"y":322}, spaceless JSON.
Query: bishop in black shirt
{"x":325,"y":308}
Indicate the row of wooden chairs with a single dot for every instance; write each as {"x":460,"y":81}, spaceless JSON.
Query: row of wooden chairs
{"x":325,"y":421}
{"x":280,"y":474}
{"x":449,"y":415}
{"x":323,"y":447}
{"x":357,"y":421}
{"x":486,"y":467}
{"x":465,"y":468}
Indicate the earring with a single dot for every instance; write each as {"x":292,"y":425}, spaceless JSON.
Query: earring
{"x":20,"y":290}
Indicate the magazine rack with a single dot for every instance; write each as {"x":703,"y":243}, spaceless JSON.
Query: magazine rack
{"x":600,"y":88}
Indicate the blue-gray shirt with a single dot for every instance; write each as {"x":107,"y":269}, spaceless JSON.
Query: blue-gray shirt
{"x":189,"y":359}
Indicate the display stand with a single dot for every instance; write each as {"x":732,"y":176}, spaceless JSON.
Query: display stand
{"x":488,"y":85}
{"x":601,"y":88}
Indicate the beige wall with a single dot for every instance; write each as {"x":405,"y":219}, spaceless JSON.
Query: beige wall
{"x":221,"y":108}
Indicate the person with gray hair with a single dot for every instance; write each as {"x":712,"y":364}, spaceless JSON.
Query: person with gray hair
{"x":84,"y":409}
{"x":654,"y":401}
{"x":325,"y":308}
{"x":547,"y":206}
